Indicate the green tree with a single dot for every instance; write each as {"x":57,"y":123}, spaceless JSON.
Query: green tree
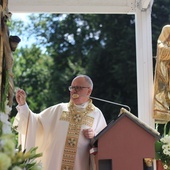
{"x":32,"y":72}
{"x":102,"y":46}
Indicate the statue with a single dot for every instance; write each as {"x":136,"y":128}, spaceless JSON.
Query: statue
{"x":161,"y":110}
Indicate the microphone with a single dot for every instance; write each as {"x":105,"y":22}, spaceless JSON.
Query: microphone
{"x":107,"y":101}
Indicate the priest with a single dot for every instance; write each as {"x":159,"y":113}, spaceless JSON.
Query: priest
{"x":61,"y":132}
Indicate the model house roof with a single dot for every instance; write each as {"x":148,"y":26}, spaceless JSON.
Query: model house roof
{"x":133,"y":118}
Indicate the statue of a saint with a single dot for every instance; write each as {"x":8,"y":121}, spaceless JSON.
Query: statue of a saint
{"x":162,"y":78}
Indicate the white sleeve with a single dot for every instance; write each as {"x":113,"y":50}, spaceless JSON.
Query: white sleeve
{"x":20,"y":121}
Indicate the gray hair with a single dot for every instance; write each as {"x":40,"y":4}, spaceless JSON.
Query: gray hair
{"x":87,"y":79}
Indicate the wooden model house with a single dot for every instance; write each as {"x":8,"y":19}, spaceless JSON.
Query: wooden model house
{"x":125,"y":144}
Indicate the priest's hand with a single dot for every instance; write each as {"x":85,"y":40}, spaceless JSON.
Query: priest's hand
{"x":21,"y":97}
{"x":89,"y":133}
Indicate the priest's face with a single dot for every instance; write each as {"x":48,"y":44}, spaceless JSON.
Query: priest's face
{"x":80,"y":90}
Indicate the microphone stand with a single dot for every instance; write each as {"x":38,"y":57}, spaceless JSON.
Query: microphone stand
{"x":107,"y":101}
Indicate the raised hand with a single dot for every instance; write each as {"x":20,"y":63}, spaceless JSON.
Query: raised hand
{"x":21,"y":97}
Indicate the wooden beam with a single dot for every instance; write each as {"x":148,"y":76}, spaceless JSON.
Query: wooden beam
{"x":72,"y":6}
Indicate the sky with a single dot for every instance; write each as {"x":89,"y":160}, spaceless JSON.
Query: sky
{"x":23,"y":17}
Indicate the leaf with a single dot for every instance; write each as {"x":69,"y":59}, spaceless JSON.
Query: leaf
{"x":158,"y":156}
{"x":158,"y":146}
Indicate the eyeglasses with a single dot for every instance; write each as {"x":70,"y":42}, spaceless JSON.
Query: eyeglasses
{"x":76,"y":88}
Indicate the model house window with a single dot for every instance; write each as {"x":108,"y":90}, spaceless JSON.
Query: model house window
{"x":105,"y":164}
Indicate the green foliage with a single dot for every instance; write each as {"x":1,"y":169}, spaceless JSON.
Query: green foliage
{"x":25,"y":159}
{"x":32,"y":73}
{"x":111,"y":61}
{"x":16,"y":26}
{"x":5,"y":87}
{"x":162,"y":149}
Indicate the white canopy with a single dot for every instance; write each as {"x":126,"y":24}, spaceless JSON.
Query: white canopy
{"x":78,"y":6}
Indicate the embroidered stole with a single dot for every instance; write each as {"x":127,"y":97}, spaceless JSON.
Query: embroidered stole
{"x":76,"y":119}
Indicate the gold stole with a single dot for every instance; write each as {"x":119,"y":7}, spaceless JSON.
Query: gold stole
{"x":76,"y":119}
